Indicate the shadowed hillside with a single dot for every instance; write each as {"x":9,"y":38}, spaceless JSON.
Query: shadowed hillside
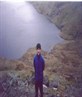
{"x":67,"y":16}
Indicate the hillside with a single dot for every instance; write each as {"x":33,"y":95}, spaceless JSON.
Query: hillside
{"x":67,"y":16}
{"x":62,"y":75}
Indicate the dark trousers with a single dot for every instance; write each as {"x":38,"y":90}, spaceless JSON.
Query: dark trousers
{"x":39,"y":85}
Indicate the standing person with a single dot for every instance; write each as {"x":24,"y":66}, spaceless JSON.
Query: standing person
{"x":39,"y":66}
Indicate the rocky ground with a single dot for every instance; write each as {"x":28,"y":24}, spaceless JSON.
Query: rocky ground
{"x":62,"y":75}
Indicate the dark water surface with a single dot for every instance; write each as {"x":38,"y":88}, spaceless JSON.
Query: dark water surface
{"x":22,"y":27}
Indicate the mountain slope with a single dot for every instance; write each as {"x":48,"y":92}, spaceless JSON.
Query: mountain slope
{"x":67,"y":16}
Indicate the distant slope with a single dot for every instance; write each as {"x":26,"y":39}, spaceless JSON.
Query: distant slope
{"x":6,"y":64}
{"x":66,"y":15}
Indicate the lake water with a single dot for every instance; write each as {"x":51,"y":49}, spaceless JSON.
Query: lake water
{"x":22,"y":27}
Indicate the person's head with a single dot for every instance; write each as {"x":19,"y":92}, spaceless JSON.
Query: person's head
{"x":38,"y":48}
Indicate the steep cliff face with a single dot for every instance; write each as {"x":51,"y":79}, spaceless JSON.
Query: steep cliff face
{"x":67,"y":16}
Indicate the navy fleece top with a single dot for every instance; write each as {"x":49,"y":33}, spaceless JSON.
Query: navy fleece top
{"x":39,"y":66}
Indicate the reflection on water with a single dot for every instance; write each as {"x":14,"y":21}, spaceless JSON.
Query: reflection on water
{"x":21,"y":28}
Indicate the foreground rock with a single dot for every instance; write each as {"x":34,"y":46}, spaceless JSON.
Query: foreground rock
{"x":13,"y":85}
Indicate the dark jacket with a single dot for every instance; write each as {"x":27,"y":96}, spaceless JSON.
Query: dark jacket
{"x":39,"y":66}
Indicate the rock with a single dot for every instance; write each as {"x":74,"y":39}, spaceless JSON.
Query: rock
{"x":1,"y":88}
{"x":69,"y":77}
{"x":14,"y":82}
{"x":11,"y":86}
{"x":45,"y":86}
{"x":58,"y":95}
{"x":51,"y":95}
{"x":46,"y":81}
{"x":45,"y":89}
{"x":54,"y":84}
{"x":31,"y":80}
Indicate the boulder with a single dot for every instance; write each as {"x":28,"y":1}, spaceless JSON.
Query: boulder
{"x":46,"y":81}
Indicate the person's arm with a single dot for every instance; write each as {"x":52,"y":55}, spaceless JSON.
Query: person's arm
{"x":43,"y":64}
{"x":34,"y":63}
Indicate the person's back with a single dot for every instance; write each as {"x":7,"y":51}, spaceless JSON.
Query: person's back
{"x":39,"y":65}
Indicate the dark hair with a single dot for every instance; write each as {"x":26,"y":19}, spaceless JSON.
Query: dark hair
{"x":38,"y":46}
